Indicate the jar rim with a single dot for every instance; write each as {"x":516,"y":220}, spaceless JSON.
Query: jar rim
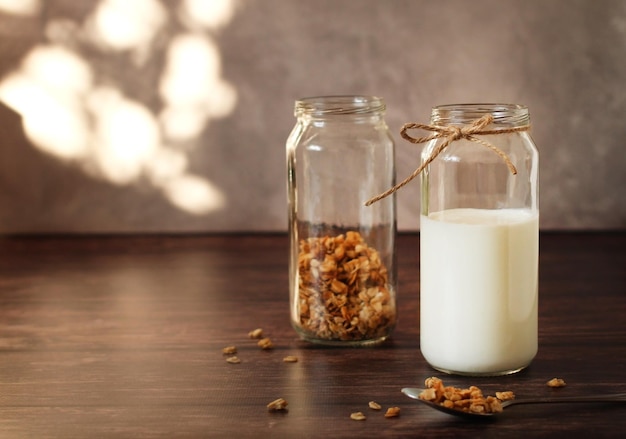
{"x":506,"y":114}
{"x":337,"y":105}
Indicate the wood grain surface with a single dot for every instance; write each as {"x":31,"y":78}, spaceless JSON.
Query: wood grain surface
{"x":123,"y":336}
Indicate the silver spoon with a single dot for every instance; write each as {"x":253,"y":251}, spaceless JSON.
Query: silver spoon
{"x":615,"y":397}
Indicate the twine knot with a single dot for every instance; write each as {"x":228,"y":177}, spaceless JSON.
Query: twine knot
{"x":451,"y":134}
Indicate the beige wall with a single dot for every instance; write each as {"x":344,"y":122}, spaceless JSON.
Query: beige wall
{"x":166,"y":116}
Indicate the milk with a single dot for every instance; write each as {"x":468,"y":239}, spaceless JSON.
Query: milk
{"x":478,"y":286}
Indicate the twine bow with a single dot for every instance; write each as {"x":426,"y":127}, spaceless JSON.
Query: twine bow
{"x":451,"y":134}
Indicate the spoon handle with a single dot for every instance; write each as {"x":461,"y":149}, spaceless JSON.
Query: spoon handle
{"x":615,"y":397}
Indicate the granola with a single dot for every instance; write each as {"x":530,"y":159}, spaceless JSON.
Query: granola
{"x":392,"y":412}
{"x":358,"y":416}
{"x":343,"y":290}
{"x":229,"y":350}
{"x":265,"y":343}
{"x":556,"y":382}
{"x":278,"y":405}
{"x":233,"y":360}
{"x":256,"y":333}
{"x":468,"y":400}
{"x":374,"y":405}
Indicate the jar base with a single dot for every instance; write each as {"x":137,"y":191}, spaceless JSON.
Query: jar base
{"x":371,"y":342}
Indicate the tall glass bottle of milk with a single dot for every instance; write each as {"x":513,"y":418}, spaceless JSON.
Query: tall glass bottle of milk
{"x":479,"y":243}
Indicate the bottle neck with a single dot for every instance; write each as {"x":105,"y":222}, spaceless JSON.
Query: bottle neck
{"x":504,"y":115}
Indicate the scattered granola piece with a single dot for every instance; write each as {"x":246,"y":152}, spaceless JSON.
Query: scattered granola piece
{"x":229,"y":350}
{"x":374,"y":405}
{"x":495,"y":404}
{"x":265,"y":343}
{"x":290,"y":359}
{"x":358,"y":416}
{"x":233,"y":360}
{"x":428,"y":395}
{"x":277,"y":405}
{"x":505,"y":396}
{"x":556,"y":382}
{"x":392,"y":412}
{"x":256,"y":333}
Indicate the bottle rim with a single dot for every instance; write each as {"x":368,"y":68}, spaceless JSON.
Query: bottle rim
{"x":503,"y":114}
{"x":339,"y":105}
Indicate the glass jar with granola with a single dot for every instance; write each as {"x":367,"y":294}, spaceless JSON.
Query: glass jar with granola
{"x":342,"y":273}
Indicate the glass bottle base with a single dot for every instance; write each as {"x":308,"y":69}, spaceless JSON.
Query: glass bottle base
{"x":480,"y":374}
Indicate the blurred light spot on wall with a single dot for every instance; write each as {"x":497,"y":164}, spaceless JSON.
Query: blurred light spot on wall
{"x":213,"y":14}
{"x":78,"y":114}
{"x":182,"y":122}
{"x":48,"y":91}
{"x":124,"y":25}
{"x":126,"y":135}
{"x":58,"y":69}
{"x":192,"y":88}
{"x":193,"y":194}
{"x":20,"y":7}
{"x":166,"y":164}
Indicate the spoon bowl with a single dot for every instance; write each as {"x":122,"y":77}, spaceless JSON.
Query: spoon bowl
{"x":615,"y":397}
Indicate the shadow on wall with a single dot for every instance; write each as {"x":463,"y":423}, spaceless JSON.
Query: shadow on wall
{"x":83,"y":115}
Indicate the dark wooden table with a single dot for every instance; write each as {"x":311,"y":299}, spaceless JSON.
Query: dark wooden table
{"x":123,"y":337}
